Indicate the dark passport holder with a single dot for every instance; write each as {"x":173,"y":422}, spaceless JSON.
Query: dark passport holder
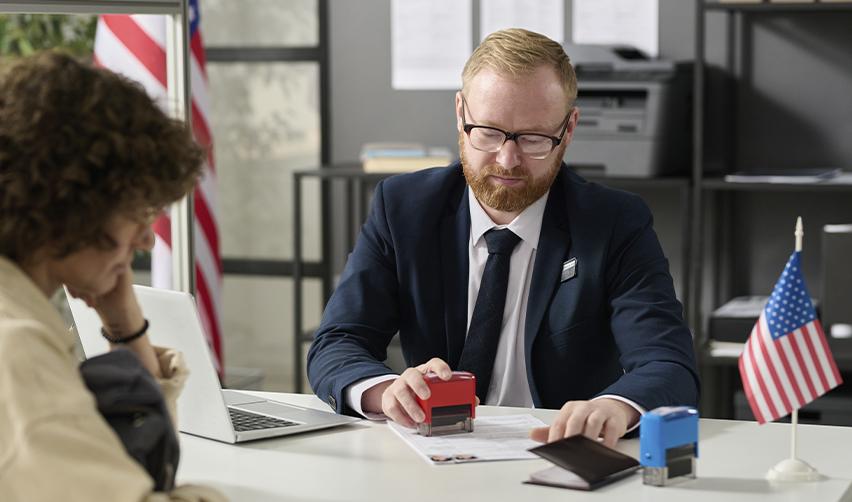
{"x":581,"y":464}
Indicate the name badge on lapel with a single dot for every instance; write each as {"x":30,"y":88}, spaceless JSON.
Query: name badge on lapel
{"x":569,"y":269}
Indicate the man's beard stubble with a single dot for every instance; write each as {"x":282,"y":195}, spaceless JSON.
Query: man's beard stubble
{"x":502,"y":197}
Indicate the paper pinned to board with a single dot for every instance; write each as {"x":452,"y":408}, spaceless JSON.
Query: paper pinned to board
{"x":617,"y":22}
{"x":503,"y":437}
{"x":541,"y":16}
{"x":430,"y":42}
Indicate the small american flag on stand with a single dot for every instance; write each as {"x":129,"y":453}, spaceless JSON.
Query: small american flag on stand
{"x":786,"y":362}
{"x":135,"y":46}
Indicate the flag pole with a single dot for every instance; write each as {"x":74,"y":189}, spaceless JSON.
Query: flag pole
{"x":794,"y":419}
{"x":794,"y":469}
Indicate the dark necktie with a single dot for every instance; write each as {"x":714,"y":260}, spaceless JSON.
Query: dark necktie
{"x":480,"y":346}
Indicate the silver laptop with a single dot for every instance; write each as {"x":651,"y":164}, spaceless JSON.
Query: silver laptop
{"x":204,"y":408}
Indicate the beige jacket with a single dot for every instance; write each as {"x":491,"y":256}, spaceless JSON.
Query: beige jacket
{"x":54,"y":444}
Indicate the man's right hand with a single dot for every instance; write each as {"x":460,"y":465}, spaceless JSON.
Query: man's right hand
{"x":396,"y":398}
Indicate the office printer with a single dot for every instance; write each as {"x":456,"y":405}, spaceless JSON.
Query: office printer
{"x":635,"y":113}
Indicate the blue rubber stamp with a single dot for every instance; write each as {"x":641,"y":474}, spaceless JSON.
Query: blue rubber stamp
{"x":668,"y":444}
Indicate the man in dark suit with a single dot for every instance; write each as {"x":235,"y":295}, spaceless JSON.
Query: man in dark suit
{"x":554,"y":291}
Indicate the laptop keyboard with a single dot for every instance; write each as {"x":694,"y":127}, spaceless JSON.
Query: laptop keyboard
{"x":247,"y":421}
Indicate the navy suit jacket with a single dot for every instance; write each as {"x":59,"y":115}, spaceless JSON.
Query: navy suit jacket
{"x":616,"y":327}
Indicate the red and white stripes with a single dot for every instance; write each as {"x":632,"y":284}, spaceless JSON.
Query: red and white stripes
{"x":135,"y":47}
{"x":786,"y":373}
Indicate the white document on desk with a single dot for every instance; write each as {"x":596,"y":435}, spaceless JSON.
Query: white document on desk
{"x":493,"y":438}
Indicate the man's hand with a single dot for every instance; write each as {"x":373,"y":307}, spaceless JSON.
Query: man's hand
{"x":396,"y":398}
{"x":607,"y":418}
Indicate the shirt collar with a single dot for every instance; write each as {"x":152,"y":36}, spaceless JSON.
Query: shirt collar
{"x":526,"y":225}
{"x":21,"y":298}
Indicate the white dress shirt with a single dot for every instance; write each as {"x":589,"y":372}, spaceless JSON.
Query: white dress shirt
{"x":509,"y":386}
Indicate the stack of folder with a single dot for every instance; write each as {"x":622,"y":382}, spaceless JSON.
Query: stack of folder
{"x":401,"y":157}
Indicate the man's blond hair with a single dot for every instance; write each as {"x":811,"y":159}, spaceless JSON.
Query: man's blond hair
{"x":518,"y":52}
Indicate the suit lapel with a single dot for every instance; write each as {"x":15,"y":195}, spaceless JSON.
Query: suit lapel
{"x":455,"y":234}
{"x":553,"y":245}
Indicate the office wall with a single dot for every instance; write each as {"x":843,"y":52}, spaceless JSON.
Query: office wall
{"x":366,"y":108}
{"x":794,"y":109}
{"x":794,"y":103}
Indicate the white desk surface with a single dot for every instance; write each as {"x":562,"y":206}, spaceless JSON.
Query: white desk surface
{"x":368,"y":462}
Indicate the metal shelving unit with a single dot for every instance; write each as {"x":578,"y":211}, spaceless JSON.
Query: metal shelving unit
{"x":713,"y":196}
{"x":705,"y":190}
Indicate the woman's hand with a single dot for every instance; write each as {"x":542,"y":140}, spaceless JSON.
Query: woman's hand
{"x":121,"y":317}
{"x":118,"y":308}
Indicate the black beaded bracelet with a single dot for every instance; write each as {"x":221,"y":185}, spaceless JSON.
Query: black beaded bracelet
{"x":126,"y":339}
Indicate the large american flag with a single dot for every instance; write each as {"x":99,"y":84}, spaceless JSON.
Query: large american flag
{"x":786,"y":362}
{"x":135,"y":46}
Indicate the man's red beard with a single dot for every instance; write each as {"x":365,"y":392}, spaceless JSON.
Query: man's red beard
{"x":502,"y":197}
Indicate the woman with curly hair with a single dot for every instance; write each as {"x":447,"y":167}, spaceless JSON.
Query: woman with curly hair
{"x":87,"y":161}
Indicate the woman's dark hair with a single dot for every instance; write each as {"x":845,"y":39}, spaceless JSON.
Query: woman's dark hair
{"x":79,"y":145}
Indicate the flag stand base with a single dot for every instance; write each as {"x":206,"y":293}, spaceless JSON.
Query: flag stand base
{"x":792,"y":469}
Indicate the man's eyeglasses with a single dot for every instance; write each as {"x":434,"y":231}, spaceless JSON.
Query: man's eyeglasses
{"x":533,"y":145}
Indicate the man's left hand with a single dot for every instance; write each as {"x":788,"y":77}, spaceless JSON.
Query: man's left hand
{"x":606,"y":418}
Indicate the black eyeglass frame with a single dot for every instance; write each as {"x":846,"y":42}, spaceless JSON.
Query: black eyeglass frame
{"x":513,"y":136}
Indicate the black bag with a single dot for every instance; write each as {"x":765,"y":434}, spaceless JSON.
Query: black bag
{"x":130,"y":400}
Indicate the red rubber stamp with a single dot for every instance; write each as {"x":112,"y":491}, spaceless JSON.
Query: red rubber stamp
{"x":451,"y":407}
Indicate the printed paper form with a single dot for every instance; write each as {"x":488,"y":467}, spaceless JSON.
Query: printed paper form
{"x":493,"y":438}
{"x":430,"y":42}
{"x":623,"y":22}
{"x":543,"y":16}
